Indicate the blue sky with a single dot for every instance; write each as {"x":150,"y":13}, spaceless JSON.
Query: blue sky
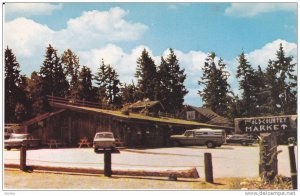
{"x":117,"y":32}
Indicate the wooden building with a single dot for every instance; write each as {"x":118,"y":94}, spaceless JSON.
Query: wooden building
{"x":205,"y":115}
{"x":69,"y":123}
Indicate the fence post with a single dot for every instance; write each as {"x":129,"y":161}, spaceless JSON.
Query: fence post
{"x":208,"y":168}
{"x":107,"y":163}
{"x":23,"y":157}
{"x":293,"y":163}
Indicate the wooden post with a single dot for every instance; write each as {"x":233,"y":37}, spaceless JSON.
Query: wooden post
{"x":293,"y":164}
{"x":23,"y":157}
{"x":107,"y":163}
{"x":268,"y":166}
{"x":208,"y":168}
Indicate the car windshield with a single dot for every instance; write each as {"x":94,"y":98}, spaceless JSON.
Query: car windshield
{"x":17,"y":136}
{"x":104,"y":135}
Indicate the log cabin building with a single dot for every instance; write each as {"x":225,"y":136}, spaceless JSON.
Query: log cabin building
{"x":69,"y":123}
{"x":206,"y":115}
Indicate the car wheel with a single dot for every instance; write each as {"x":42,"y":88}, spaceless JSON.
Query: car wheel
{"x":96,"y":150}
{"x":244,"y":143}
{"x":8,"y":148}
{"x":210,"y":144}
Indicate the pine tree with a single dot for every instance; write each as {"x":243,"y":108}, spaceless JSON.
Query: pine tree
{"x":146,"y":75}
{"x":85,"y":87}
{"x":129,"y":93}
{"x":53,"y":78}
{"x":109,"y":85}
{"x":70,"y":61}
{"x":216,"y":91}
{"x":16,"y":102}
{"x":37,"y":98}
{"x":171,"y":83}
{"x":273,"y":101}
{"x":281,"y":83}
{"x":101,"y":79}
{"x":248,"y":87}
{"x":287,"y":81}
{"x":261,"y":92}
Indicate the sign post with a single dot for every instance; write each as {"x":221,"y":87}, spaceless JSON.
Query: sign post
{"x":268,"y":165}
{"x":107,"y":159}
{"x":268,"y":128}
{"x":23,"y":157}
{"x":293,"y":162}
{"x":107,"y":163}
{"x":208,"y":168}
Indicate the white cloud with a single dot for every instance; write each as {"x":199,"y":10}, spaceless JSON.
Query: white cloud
{"x":94,"y":29}
{"x":26,"y":37}
{"x":102,"y":27}
{"x":253,"y":9}
{"x":176,"y":6}
{"x":261,"y":56}
{"x":27,"y":9}
{"x":124,"y":63}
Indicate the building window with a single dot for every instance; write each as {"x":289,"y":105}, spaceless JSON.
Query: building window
{"x":190,"y":115}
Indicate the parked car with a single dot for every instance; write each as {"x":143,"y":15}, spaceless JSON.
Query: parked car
{"x":103,"y":140}
{"x":8,"y":130}
{"x":210,"y":137}
{"x":240,"y":139}
{"x":16,"y":140}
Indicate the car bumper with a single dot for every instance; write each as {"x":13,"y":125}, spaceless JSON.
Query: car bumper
{"x":12,"y":145}
{"x":104,"y":145}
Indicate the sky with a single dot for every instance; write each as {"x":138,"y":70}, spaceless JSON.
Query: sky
{"x":118,"y":32}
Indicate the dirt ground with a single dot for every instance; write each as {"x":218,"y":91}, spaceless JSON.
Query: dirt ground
{"x":38,"y":180}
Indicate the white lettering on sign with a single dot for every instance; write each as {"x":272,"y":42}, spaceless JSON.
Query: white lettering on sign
{"x":266,"y":124}
{"x":248,"y":129}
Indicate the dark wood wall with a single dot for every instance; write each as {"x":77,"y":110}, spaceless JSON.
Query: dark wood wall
{"x":69,"y":127}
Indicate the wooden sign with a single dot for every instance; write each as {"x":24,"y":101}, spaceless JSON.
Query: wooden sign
{"x":267,"y":124}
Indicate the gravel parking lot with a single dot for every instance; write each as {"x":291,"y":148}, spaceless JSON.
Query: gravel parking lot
{"x":228,"y":161}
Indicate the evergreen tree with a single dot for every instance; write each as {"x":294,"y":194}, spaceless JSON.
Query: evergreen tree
{"x":146,"y":75}
{"x":39,"y":102}
{"x":53,"y":78}
{"x":262,"y":93}
{"x":248,"y":87}
{"x":71,"y":64}
{"x":273,"y":102}
{"x":171,"y":83}
{"x":101,"y":79}
{"x":129,"y":93}
{"x":216,"y":91}
{"x":281,"y":83}
{"x":109,"y":85}
{"x":287,"y":82}
{"x":85,"y":87}
{"x":16,"y":101}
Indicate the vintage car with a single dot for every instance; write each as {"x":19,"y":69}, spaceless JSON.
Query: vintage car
{"x":16,"y":140}
{"x":210,"y":137}
{"x":104,"y":140}
{"x":8,"y":130}
{"x":240,"y":139}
